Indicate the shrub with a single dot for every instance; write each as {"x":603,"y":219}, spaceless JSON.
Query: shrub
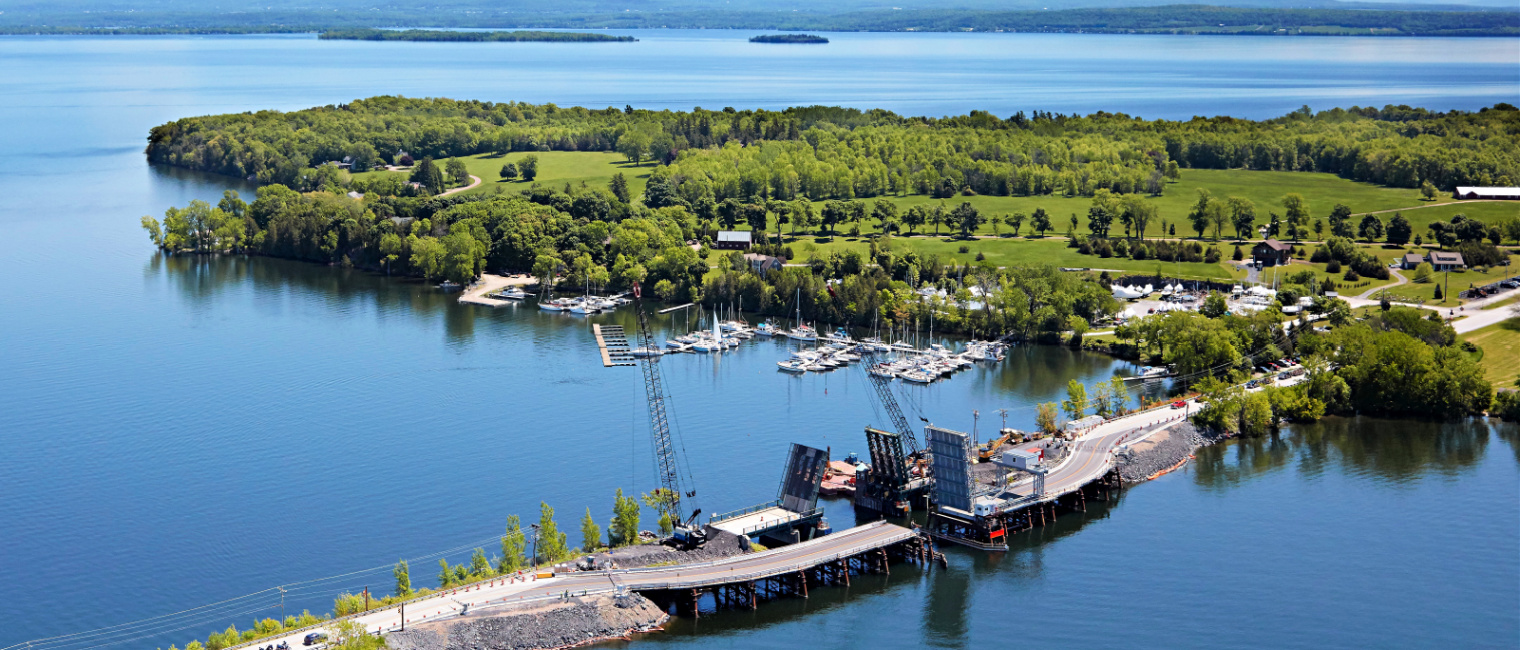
{"x":1238,"y":255}
{"x":980,"y":256}
{"x":1438,"y":293}
{"x":1422,"y":273}
{"x":1333,"y":266}
{"x":1351,"y":275}
{"x":965,"y":249}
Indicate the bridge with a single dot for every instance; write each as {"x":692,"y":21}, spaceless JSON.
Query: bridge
{"x":741,"y":581}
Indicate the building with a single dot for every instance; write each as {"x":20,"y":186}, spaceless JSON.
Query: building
{"x":1084,"y":424}
{"x":763,"y":264}
{"x":733,"y":240}
{"x":1489,"y":193}
{"x":1444,"y":261}
{"x":1413,"y":260}
{"x":1271,"y":252}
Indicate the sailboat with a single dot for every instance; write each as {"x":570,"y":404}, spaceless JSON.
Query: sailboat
{"x":800,"y":331}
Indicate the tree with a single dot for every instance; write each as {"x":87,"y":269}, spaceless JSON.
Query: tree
{"x":1075,"y":403}
{"x":403,"y":579}
{"x":624,"y":529}
{"x":1016,"y":221}
{"x":997,"y":221}
{"x":1199,"y":214}
{"x":968,"y":218}
{"x":514,"y":547}
{"x":457,"y":171}
{"x":1045,"y":418}
{"x":591,"y":534}
{"x":1371,"y":228}
{"x":1214,"y":305}
{"x":1119,"y":393}
{"x":1138,"y":213}
{"x":1340,"y":221}
{"x":1242,"y":215}
{"x":1399,"y":230}
{"x":939,"y":217}
{"x":154,"y":232}
{"x":1428,"y":190}
{"x":428,"y":256}
{"x":509,"y":172}
{"x":634,"y":145}
{"x":1040,"y":221}
{"x":885,"y":213}
{"x":427,"y":174}
{"x":552,"y":544}
{"x":915,"y":216}
{"x":1296,"y":212}
{"x":1319,"y":228}
{"x":528,"y":167}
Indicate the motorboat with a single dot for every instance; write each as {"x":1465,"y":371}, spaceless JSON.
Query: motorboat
{"x":766,"y":329}
{"x":512,"y":293}
{"x":583,"y":306}
{"x":793,"y":366}
{"x":552,"y":305}
{"x":917,"y":377}
{"x":646,"y":352}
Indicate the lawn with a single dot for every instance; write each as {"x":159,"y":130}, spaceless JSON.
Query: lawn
{"x":1458,"y":282}
{"x":1265,"y":189}
{"x":1008,"y":252}
{"x":594,"y":168}
{"x":1486,"y":211}
{"x":1501,"y":350}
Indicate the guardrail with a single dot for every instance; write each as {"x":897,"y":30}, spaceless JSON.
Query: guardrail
{"x":763,"y":526}
{"x":733,"y":514}
{"x":774,"y":571}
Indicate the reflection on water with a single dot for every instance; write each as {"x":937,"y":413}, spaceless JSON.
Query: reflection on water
{"x":1397,"y":451}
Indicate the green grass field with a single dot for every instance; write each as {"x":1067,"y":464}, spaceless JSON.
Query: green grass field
{"x":1265,"y":189}
{"x":555,"y":168}
{"x":1008,"y":252}
{"x":1501,"y":350}
{"x":1485,"y":211}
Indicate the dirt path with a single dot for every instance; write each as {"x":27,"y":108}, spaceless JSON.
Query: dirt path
{"x":1429,"y":205}
{"x":488,"y":283}
{"x":474,"y":183}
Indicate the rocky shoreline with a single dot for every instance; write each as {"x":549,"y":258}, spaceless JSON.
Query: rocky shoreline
{"x":1163,"y":451}
{"x":543,"y":626}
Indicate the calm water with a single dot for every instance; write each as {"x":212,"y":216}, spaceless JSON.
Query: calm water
{"x":181,"y":431}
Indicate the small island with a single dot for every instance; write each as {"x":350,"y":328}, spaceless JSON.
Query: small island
{"x":788,"y":38}
{"x":453,"y":36}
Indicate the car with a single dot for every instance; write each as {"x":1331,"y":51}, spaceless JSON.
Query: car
{"x":1284,"y":376}
{"x":1179,"y":404}
{"x":314,"y":638}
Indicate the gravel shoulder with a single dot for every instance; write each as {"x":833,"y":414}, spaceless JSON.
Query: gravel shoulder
{"x":560,"y":624}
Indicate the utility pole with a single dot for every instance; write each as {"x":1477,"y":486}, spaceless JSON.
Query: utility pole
{"x":535,"y":546}
{"x":282,"y":603}
{"x":366,"y":599}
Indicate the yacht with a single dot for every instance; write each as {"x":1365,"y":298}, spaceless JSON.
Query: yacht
{"x":793,"y":366}
{"x":513,"y":293}
{"x":552,"y":305}
{"x":583,"y":306}
{"x":917,"y":377}
{"x":802,"y":333}
{"x":766,"y":329}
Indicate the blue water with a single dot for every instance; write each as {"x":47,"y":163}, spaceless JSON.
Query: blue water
{"x":182,"y":431}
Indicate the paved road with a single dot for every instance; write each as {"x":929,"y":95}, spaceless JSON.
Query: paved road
{"x":506,"y":591}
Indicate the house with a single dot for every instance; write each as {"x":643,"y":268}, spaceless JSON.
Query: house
{"x":1445,"y":261}
{"x":355,"y":195}
{"x":1413,"y":260}
{"x":763,"y":264}
{"x":1271,"y":252}
{"x":735,"y":240}
{"x":1488,"y":193}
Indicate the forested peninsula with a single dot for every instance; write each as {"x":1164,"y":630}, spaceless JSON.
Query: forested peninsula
{"x":815,"y":168}
{"x":470,"y":37}
{"x":1170,"y":19}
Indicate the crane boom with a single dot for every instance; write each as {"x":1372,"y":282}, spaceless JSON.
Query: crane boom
{"x":659,"y":422}
{"x":888,"y":401}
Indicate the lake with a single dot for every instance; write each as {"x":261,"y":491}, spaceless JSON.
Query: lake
{"x":180,"y":431}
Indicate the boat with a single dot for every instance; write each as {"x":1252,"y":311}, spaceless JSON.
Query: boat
{"x":583,"y":306}
{"x":917,"y":377}
{"x":766,"y":329}
{"x":512,"y":293}
{"x":802,"y":333}
{"x":793,"y":366}
{"x":840,"y":335}
{"x":646,"y":352}
{"x":552,"y":305}
{"x":447,"y":285}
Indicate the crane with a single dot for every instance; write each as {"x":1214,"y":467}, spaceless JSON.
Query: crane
{"x":883,"y":386}
{"x":668,"y":465}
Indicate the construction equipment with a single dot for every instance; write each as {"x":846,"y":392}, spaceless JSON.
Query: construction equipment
{"x":672,"y":498}
{"x":899,"y":467}
{"x":988,"y":450}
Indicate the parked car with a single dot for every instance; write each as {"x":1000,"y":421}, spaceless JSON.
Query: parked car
{"x":314,"y":638}
{"x":1179,"y":404}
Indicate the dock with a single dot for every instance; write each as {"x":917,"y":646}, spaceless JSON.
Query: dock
{"x":671,"y":309}
{"x":479,"y":293}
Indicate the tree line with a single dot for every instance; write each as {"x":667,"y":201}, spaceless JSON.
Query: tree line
{"x":470,"y":37}
{"x":829,"y":152}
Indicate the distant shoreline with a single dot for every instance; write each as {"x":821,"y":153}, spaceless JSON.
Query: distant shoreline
{"x":1164,"y":20}
{"x":452,"y":36}
{"x":797,"y":39}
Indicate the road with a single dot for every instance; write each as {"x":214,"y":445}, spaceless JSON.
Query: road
{"x":474,"y":183}
{"x":507,"y":591}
